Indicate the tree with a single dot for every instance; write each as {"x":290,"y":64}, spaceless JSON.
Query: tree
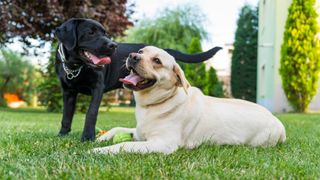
{"x":214,"y":86}
{"x":195,"y":73}
{"x":244,"y":57}
{"x":174,"y":29}
{"x":16,"y":76}
{"x":38,"y":19}
{"x":300,"y":63}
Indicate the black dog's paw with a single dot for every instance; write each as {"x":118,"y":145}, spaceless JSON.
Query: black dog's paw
{"x":88,"y":137}
{"x":63,"y":132}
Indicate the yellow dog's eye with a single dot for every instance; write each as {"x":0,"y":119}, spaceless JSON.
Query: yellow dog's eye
{"x":140,"y":51}
{"x":157,"y":60}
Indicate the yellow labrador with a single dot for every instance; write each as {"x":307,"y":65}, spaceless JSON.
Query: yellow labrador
{"x":171,"y":114}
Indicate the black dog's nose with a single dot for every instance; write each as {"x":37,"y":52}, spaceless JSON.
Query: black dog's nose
{"x":134,"y":56}
{"x":112,"y":45}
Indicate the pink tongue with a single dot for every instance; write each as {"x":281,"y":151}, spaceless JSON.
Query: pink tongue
{"x":132,"y":78}
{"x":100,"y":61}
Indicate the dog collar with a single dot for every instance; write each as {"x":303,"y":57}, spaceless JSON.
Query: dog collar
{"x":71,"y":73}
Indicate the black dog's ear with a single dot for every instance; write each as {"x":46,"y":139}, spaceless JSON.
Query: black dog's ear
{"x":67,"y":33}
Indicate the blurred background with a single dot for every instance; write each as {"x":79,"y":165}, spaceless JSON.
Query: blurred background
{"x":270,"y":47}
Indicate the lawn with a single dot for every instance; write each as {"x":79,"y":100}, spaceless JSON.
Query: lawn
{"x":30,"y":149}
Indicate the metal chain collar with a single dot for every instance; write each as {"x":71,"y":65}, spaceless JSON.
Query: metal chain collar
{"x":71,"y":73}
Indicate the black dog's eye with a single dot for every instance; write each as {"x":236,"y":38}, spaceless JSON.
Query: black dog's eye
{"x":140,"y":51}
{"x":157,"y":60}
{"x":91,"y":33}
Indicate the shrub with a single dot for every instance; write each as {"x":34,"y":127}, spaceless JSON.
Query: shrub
{"x":17,"y":76}
{"x":214,"y":86}
{"x":300,"y":61}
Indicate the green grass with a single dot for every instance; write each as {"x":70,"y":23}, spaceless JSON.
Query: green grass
{"x":30,"y":149}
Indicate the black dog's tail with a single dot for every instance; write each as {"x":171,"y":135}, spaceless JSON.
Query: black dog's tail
{"x":193,"y":58}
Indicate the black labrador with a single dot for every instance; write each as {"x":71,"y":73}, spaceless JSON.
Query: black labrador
{"x":89,"y":62}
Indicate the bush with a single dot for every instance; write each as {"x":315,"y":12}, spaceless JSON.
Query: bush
{"x":300,"y":61}
{"x":214,"y":86}
{"x":17,"y":76}
{"x":195,"y":73}
{"x":83,"y":103}
{"x":3,"y":102}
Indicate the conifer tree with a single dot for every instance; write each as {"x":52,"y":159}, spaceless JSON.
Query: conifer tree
{"x":244,"y":58}
{"x":197,"y":75}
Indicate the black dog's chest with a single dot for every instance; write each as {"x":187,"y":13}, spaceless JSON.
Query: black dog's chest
{"x":85,"y":82}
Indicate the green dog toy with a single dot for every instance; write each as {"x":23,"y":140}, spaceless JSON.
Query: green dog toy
{"x":121,"y":137}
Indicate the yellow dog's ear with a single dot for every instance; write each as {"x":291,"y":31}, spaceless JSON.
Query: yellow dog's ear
{"x":181,"y":79}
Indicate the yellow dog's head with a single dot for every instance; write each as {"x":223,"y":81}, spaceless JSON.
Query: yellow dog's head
{"x":152,"y":68}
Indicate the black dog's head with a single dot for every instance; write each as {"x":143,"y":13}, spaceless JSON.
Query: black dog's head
{"x":86,"y":40}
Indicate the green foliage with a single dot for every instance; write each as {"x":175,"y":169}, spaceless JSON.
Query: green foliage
{"x":83,"y":103}
{"x":195,"y":46}
{"x":3,"y":102}
{"x":300,"y":61}
{"x":174,"y":29}
{"x":50,"y":90}
{"x":214,"y":86}
{"x":197,"y":75}
{"x":244,"y":57}
{"x":17,"y":76}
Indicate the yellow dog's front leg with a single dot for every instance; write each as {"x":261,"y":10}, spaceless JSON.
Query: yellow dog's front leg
{"x":138,"y":147}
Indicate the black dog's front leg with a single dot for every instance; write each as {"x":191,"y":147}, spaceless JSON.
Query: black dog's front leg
{"x":69,"y":104}
{"x":91,"y":117}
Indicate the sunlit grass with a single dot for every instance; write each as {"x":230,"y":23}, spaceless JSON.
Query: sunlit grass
{"x":30,"y":149}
